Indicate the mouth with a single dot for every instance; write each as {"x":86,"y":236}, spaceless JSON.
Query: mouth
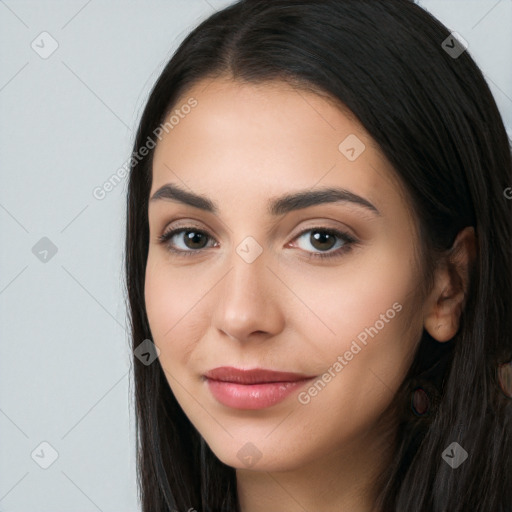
{"x":255,"y":388}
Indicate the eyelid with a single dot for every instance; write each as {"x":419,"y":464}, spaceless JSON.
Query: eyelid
{"x":311,"y":223}
{"x":187,"y":222}
{"x":324,"y":225}
{"x":318,"y":227}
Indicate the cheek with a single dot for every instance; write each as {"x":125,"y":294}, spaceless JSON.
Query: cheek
{"x":366,"y":358}
{"x":363,"y":332}
{"x":175,"y":302}
{"x":344,"y":301}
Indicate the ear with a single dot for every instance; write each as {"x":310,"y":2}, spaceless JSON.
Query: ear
{"x":447,"y":299}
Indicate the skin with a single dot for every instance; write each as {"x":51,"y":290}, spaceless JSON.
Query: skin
{"x":241,"y":145}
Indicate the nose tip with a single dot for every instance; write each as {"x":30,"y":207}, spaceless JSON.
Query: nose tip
{"x":245,"y":307}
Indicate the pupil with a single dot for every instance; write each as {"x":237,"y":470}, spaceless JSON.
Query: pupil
{"x":194,"y":237}
{"x":322,"y":236}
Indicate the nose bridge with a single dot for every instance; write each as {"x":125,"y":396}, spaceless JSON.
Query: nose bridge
{"x":245,"y":285}
{"x":246,"y":303}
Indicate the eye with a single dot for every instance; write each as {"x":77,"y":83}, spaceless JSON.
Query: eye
{"x":322,"y":239}
{"x":193,"y":241}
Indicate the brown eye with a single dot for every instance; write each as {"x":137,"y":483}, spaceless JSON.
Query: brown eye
{"x":192,"y":241}
{"x":322,"y":240}
{"x":325,"y":239}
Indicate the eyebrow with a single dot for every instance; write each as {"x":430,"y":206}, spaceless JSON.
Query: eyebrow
{"x":276,"y":206}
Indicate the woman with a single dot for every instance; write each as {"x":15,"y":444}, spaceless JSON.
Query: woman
{"x":318,"y":251}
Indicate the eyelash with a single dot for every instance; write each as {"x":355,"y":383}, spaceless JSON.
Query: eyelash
{"x":349,"y":241}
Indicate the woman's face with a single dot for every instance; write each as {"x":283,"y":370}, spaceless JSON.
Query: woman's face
{"x":246,"y":286}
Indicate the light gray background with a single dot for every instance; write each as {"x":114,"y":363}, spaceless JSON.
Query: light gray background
{"x":67,"y":123}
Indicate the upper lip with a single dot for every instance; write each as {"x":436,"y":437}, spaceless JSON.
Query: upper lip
{"x":253,"y":375}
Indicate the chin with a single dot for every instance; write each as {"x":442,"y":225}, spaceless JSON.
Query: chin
{"x":256,"y":456}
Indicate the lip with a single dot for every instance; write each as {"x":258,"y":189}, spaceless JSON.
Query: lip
{"x":255,"y":388}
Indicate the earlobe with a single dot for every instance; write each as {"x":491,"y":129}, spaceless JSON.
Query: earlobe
{"x":447,"y":299}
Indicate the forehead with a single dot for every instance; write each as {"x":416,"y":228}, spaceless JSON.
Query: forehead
{"x":272,"y":112}
{"x":256,"y":140}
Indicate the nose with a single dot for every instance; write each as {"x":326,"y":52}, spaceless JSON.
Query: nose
{"x":249,"y":301}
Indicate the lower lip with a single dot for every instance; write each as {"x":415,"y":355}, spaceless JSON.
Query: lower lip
{"x":253,"y":396}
